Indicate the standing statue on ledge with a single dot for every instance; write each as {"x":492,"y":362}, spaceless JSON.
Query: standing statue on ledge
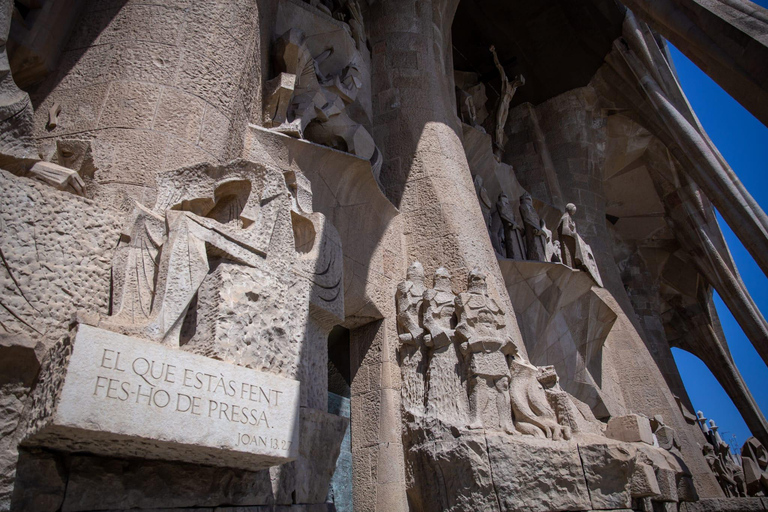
{"x":490,"y":216}
{"x":574,"y":251}
{"x":535,"y":237}
{"x":508,"y":90}
{"x":446,"y":395}
{"x":486,"y":345}
{"x":409,"y":300}
{"x":513,"y":233}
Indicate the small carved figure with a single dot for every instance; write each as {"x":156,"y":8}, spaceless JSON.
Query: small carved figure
{"x":409,"y":299}
{"x":446,"y":395}
{"x":720,"y":470}
{"x":754,"y":460}
{"x":574,"y":251}
{"x":514,"y":246}
{"x":481,"y":331}
{"x":566,"y":234}
{"x":467,"y":110}
{"x":508,"y":90}
{"x":556,"y":252}
{"x":535,"y":237}
{"x":485,"y":201}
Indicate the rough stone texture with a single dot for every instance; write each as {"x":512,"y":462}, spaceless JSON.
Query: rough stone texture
{"x":725,"y":505}
{"x":41,"y":482}
{"x":103,"y":484}
{"x":608,"y":469}
{"x":536,"y":475}
{"x":630,"y":428}
{"x":132,"y":97}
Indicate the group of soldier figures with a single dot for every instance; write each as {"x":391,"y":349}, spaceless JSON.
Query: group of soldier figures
{"x":531,"y":239}
{"x":744,"y":475}
{"x":461,"y":367}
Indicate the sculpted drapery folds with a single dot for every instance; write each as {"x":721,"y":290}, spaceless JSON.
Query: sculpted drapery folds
{"x":537,"y":240}
{"x":574,"y":251}
{"x":514,"y":244}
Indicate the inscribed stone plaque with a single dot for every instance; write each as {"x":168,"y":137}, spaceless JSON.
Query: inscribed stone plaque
{"x":115,"y":395}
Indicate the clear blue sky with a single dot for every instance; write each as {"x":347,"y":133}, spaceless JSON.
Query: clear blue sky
{"x":743,"y":141}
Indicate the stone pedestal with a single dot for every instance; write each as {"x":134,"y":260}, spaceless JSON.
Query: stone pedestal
{"x":110,"y":394}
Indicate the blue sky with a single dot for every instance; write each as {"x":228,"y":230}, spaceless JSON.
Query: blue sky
{"x":743,"y":141}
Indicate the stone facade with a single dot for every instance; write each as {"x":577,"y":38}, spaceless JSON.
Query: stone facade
{"x":375,"y":255}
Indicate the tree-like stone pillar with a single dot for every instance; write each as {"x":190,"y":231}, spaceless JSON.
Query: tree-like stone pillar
{"x":425,"y":171}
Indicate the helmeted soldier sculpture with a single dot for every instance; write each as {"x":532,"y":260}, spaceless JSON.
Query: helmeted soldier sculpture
{"x":409,"y":298}
{"x":481,"y":330}
{"x":446,"y":394}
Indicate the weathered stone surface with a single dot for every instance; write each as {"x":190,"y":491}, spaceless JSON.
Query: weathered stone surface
{"x":41,"y":481}
{"x":608,"y":468}
{"x":110,"y":394}
{"x":101,"y":484}
{"x":537,"y":475}
{"x":644,"y":482}
{"x":630,"y":428}
{"x":19,"y":363}
{"x":724,"y":505}
{"x":452,"y":474}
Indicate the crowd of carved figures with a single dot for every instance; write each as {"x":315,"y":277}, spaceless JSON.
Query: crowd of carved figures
{"x":744,"y":474}
{"x":460,"y":366}
{"x":530,"y":239}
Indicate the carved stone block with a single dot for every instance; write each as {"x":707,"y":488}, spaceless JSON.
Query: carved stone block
{"x":630,"y":428}
{"x":110,"y":394}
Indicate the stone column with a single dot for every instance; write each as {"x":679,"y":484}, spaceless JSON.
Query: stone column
{"x":725,"y":38}
{"x":153,"y":87}
{"x":425,"y":171}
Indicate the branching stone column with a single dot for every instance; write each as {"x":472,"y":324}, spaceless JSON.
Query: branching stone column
{"x":713,"y":34}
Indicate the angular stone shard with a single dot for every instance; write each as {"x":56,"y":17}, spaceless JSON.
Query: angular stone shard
{"x":630,"y":428}
{"x":110,"y":394}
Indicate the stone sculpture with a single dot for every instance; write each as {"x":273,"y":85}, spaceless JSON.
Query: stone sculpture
{"x":754,"y":461}
{"x":486,"y":345}
{"x":467,"y":109}
{"x":574,"y":251}
{"x":532,"y":411}
{"x":446,"y":394}
{"x":165,"y":255}
{"x":721,"y":470}
{"x":485,"y":202}
{"x":508,"y":90}
{"x":537,"y":237}
{"x":306,"y":104}
{"x":514,"y":244}
{"x":409,"y":300}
